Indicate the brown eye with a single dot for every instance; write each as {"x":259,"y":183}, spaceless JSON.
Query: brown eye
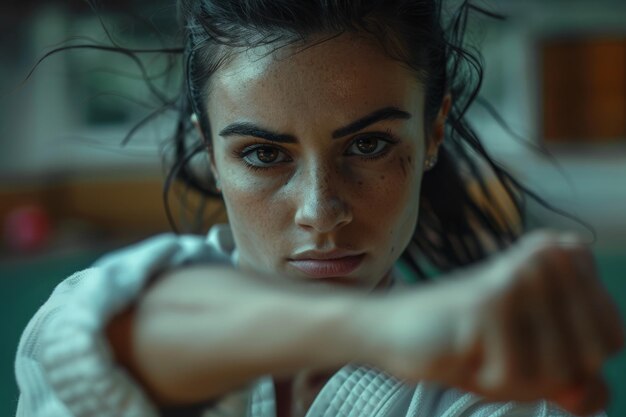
{"x":370,"y":146}
{"x":267,"y":155}
{"x":366,"y":145}
{"x":264,"y":156}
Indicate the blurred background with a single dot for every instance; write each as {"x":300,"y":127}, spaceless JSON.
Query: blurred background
{"x":69,"y":190}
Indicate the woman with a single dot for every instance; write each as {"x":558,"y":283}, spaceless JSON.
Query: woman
{"x":329,"y":126}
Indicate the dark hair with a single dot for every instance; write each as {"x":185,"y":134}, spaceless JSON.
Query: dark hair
{"x":470,"y":206}
{"x":461,"y":219}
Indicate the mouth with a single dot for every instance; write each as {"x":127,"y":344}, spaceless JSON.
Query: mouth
{"x":326,"y":265}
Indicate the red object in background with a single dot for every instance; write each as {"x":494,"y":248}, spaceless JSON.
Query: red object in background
{"x":27,"y":228}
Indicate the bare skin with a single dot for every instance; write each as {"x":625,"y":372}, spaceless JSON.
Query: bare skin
{"x":473,"y":332}
{"x":320,"y":192}
{"x":533,"y":323}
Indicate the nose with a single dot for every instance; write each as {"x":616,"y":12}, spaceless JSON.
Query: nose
{"x":322,"y":207}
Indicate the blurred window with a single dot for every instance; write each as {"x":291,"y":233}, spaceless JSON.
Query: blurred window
{"x":584,"y":89}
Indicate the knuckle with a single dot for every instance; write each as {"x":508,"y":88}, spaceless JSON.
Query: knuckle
{"x":542,"y":235}
{"x":557,"y":262}
{"x":551,"y":252}
{"x":559,"y":244}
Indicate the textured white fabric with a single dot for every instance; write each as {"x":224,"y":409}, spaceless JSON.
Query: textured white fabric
{"x":357,"y":391}
{"x":64,"y":366}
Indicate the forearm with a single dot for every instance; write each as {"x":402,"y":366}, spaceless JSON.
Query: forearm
{"x":198,"y":332}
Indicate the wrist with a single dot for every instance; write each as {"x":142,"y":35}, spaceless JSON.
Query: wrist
{"x":367,"y":332}
{"x":343,"y":333}
{"x":410,"y":334}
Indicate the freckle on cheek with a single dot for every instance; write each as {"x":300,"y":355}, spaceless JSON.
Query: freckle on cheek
{"x":402,"y":165}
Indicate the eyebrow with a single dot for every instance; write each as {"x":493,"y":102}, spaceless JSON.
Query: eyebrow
{"x":250,"y":129}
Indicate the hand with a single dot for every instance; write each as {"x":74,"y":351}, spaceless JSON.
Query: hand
{"x":533,"y":323}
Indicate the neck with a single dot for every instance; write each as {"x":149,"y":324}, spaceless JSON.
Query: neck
{"x":384,"y":283}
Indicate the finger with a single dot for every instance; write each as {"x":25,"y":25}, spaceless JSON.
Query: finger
{"x":490,"y":376}
{"x":510,"y":365}
{"x":521,"y":334}
{"x":591,"y":327}
{"x":557,"y":359}
{"x":567,"y":318}
{"x":606,"y":321}
{"x":583,"y":399}
{"x":522,"y":347}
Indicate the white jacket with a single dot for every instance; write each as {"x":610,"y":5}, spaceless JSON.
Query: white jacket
{"x":65,"y":367}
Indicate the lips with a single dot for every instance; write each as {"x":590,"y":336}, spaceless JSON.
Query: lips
{"x":327,"y":264}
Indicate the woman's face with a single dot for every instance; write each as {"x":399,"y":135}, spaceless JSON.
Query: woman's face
{"x":319,"y":157}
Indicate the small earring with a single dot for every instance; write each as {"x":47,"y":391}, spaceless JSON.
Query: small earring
{"x":218,"y":185}
{"x":431,"y":161}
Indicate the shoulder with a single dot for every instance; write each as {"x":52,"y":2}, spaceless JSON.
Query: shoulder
{"x":170,"y":249}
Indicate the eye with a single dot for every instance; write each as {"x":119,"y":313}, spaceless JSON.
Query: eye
{"x":370,"y":146}
{"x":263,"y":156}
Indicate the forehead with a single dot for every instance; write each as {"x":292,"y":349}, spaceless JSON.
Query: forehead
{"x":329,"y":82}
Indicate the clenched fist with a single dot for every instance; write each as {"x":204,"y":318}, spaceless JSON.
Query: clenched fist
{"x":532,"y":323}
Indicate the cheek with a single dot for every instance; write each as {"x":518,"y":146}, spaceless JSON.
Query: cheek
{"x":250,"y":204}
{"x":242,"y":190}
{"x":255,"y":216}
{"x":395,"y":188}
{"x":391,"y":202}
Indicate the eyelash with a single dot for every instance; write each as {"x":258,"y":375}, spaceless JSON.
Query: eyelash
{"x":386,"y":136}
{"x":249,"y":149}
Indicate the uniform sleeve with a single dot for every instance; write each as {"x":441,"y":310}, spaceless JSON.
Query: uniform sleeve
{"x":64,"y":365}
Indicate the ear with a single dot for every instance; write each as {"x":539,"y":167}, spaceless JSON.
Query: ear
{"x":438,"y":132}
{"x":211,"y":156}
